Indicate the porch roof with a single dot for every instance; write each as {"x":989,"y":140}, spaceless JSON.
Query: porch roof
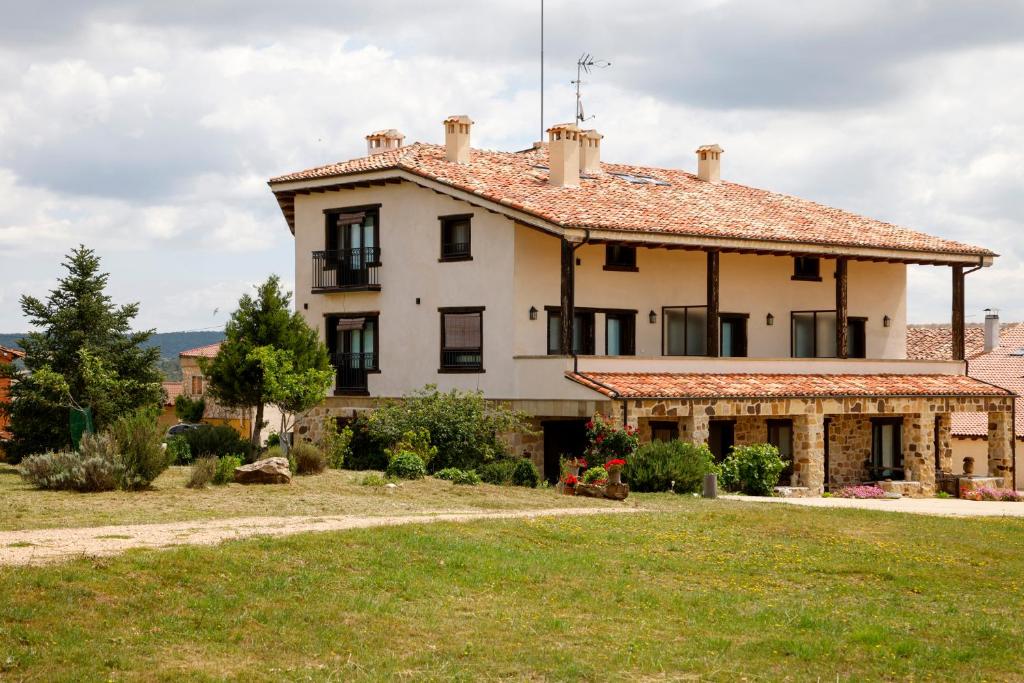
{"x":762,"y":385}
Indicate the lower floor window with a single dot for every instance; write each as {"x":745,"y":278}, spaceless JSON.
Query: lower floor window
{"x":664,"y":431}
{"x":462,"y":339}
{"x":887,"y":448}
{"x":780,"y":435}
{"x":352,"y":341}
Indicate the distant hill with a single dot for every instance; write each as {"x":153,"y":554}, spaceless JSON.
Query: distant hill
{"x":170,"y":343}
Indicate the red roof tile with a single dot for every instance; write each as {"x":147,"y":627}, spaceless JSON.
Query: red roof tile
{"x":208,"y":351}
{"x":8,"y":355}
{"x":173,"y":390}
{"x":935,"y":342}
{"x":700,"y":385}
{"x":670,"y":201}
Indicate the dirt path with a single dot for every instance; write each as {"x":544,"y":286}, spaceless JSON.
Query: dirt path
{"x":951,"y":507}
{"x":40,"y":546}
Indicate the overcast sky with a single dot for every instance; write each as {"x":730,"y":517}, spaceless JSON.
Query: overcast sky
{"x":147,"y":130}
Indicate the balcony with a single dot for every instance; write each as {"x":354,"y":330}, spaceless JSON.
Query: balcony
{"x":351,"y":371}
{"x":344,"y":270}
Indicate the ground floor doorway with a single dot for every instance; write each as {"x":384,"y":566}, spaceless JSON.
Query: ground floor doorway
{"x":562,"y":438}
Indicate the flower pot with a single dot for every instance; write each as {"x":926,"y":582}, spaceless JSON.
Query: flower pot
{"x":569,"y":489}
{"x":615,"y":476}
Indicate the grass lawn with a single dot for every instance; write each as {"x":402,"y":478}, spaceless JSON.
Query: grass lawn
{"x":332,"y":493}
{"x":716,"y":589}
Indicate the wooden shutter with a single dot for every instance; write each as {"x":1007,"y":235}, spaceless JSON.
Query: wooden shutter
{"x":462,"y":331}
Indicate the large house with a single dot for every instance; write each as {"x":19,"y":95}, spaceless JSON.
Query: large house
{"x":7,"y":356}
{"x":994,"y":354}
{"x":682,"y":304}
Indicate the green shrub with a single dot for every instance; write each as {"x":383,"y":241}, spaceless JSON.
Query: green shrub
{"x":498,"y":472}
{"x":203,"y":472}
{"x":366,"y":450}
{"x":189,"y":410}
{"x":226,"y":469}
{"x":68,"y":471}
{"x":414,"y":441}
{"x":595,"y":475}
{"x":336,"y":444}
{"x":178,"y":450}
{"x":753,"y":470}
{"x":406,"y":465}
{"x":140,"y":445}
{"x":374,"y":479}
{"x":464,"y":427}
{"x":525,"y":473}
{"x":308,"y":458}
{"x":656,"y":465}
{"x":457,"y":476}
{"x":605,"y":441}
{"x":217,"y":441}
{"x":100,"y":463}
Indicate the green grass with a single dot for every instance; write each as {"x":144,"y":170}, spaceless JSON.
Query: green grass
{"x":716,"y":590}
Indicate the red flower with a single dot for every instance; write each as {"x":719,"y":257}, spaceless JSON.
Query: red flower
{"x":600,"y":438}
{"x":616,"y":463}
{"x":582,"y":462}
{"x":590,"y":425}
{"x":572,"y":480}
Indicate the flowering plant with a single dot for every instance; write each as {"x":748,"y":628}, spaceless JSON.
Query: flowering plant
{"x":572,"y":480}
{"x":605,"y":442}
{"x":862,"y":492}
{"x":596,"y":476}
{"x":615,"y":464}
{"x":988,"y":493}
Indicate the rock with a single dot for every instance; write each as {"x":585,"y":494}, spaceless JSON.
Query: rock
{"x":616,"y":491}
{"x":589,"y":491}
{"x":268,"y":471}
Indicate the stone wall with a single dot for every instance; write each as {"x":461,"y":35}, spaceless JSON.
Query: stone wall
{"x":849,"y":450}
{"x":750,"y":430}
{"x":1000,"y":447}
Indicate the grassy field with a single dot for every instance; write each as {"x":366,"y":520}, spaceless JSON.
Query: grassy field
{"x":714,"y":590}
{"x":332,"y":493}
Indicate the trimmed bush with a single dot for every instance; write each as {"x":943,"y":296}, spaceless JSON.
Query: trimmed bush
{"x":308,"y":458}
{"x":457,"y":476}
{"x":374,"y":479}
{"x":178,"y":450}
{"x":203,"y":472}
{"x":140,"y":445}
{"x":100,"y":463}
{"x":753,"y":470}
{"x":525,"y":473}
{"x":226,"y":469}
{"x":217,"y":441}
{"x":66,"y":471}
{"x":656,"y":465}
{"x":498,"y":472}
{"x":415,"y":441}
{"x":406,"y":465}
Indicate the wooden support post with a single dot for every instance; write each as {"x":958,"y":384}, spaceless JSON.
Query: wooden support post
{"x":841,"y":309}
{"x":958,"y":313}
{"x":568,"y":298}
{"x":712,"y":291}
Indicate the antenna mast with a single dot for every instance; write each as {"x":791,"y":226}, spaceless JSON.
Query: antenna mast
{"x":584,"y":64}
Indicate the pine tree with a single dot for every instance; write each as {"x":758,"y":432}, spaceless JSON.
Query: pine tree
{"x":82,"y":354}
{"x":236,"y":378}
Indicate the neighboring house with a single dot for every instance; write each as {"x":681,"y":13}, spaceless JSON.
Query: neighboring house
{"x":6,"y":356}
{"x":167,"y":415}
{"x":674,"y":301}
{"x":995,"y":354}
{"x":194,"y":386}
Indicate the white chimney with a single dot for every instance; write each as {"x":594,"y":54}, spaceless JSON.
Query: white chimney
{"x":383,"y":141}
{"x":456,"y":138}
{"x":590,"y":152}
{"x":709,"y":163}
{"x":991,"y":329}
{"x":564,"y":155}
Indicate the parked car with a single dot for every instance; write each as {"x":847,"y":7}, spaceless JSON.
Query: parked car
{"x":181,"y":428}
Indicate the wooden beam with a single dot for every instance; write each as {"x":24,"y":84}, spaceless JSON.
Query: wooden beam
{"x":568,"y":296}
{"x":958,"y":313}
{"x":712,"y":291}
{"x":841,"y":309}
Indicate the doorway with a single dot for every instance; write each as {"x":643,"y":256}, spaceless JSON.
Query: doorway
{"x":562,"y":438}
{"x":721,"y":438}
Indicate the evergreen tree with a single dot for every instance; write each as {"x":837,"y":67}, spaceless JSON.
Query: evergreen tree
{"x":83,"y":354}
{"x":236,"y":376}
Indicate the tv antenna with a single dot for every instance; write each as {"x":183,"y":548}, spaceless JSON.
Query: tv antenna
{"x":584,"y":64}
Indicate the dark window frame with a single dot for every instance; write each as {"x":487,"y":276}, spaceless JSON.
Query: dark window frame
{"x":628,"y":318}
{"x":792,"y":333}
{"x":588,"y":341}
{"x":331,"y":341}
{"x":860,"y":324}
{"x":811,"y":271}
{"x":734,"y":317}
{"x":461,"y":310}
{"x":686,"y":314}
{"x":785,"y":477}
{"x":446,"y":222}
{"x":876,"y":469}
{"x":330,"y":241}
{"x":627,"y":265}
{"x":664,"y":425}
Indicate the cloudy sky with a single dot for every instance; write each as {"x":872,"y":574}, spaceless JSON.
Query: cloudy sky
{"x":147,"y":130}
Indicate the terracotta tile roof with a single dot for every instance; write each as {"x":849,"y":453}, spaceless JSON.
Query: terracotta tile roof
{"x":720,"y":385}
{"x":8,"y":354}
{"x":628,"y":198}
{"x":173,"y":390}
{"x":208,"y":351}
{"x":935,"y":342}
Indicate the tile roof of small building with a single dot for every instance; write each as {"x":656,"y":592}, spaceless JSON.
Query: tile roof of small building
{"x":208,"y":351}
{"x":627,"y":198}
{"x":762,"y":385}
{"x":173,"y":390}
{"x":10,"y":354}
{"x":935,"y":341}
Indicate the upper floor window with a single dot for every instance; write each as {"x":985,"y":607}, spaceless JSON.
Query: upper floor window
{"x":197,"y":385}
{"x":684,"y":331}
{"x":619,"y":257}
{"x":813,"y":334}
{"x":620,"y":334}
{"x":455,"y":237}
{"x":462,"y":339}
{"x":733,"y":334}
{"x":807,"y":268}
{"x":351,"y":254}
{"x":856,"y":338}
{"x":582,"y":332}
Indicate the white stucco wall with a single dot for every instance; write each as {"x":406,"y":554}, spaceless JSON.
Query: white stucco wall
{"x":756,"y":285}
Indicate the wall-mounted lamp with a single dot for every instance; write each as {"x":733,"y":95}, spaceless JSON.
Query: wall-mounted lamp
{"x":533,"y":312}
{"x":886,"y":321}
{"x":769,"y":320}
{"x":653,"y":317}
